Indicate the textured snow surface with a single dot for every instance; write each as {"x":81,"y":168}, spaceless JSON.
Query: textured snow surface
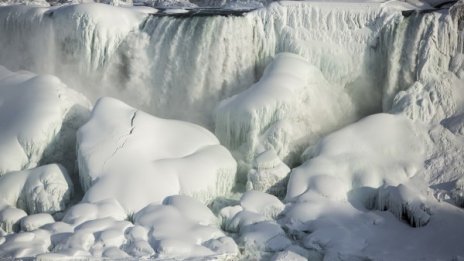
{"x":339,"y":124}
{"x":137,"y":159}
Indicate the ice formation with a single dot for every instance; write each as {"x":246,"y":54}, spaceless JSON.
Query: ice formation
{"x":39,"y":117}
{"x":137,"y":53}
{"x":268,"y":174}
{"x":291,"y":104}
{"x":46,"y":189}
{"x":357,"y":192}
{"x":136,"y":158}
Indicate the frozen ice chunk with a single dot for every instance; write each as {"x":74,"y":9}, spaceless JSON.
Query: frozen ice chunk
{"x":291,"y":104}
{"x":44,"y":189}
{"x":139,"y":159}
{"x":405,"y":202}
{"x":39,"y":117}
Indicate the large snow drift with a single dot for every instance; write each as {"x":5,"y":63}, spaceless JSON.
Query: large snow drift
{"x":136,"y":158}
{"x":39,"y":116}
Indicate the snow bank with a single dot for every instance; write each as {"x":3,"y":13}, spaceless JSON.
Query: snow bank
{"x":44,"y":189}
{"x":39,"y":116}
{"x":138,"y":159}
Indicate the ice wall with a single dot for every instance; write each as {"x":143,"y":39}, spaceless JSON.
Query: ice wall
{"x":182,"y":67}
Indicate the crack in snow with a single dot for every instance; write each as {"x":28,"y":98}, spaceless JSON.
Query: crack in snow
{"x":125,"y":137}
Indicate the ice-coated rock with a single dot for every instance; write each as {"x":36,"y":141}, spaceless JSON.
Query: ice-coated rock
{"x":44,"y":189}
{"x":269,"y":174}
{"x":139,"y":159}
{"x":291,"y":104}
{"x":405,"y":202}
{"x":39,"y":117}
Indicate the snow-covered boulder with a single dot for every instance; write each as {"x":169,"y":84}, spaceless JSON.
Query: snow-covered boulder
{"x":83,"y":212}
{"x":290,"y":107}
{"x":39,"y":116}
{"x":35,"y":221}
{"x":44,"y":189}
{"x":261,"y":203}
{"x":138,"y":159}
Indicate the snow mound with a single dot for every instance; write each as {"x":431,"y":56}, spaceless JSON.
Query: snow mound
{"x":180,"y":228}
{"x":261,"y":203}
{"x":36,"y":221}
{"x":138,"y":159}
{"x":291,"y":104}
{"x":380,"y":150}
{"x":39,"y":116}
{"x":84,"y":212}
{"x":44,"y":189}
